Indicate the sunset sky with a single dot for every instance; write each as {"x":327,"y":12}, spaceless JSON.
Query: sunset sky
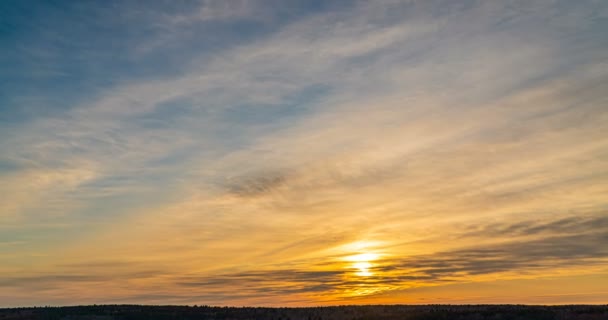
{"x":300,"y":152}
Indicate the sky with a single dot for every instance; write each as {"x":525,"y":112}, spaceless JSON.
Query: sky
{"x":303,"y":152}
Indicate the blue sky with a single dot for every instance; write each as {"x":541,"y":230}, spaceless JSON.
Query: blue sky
{"x":247,"y":150}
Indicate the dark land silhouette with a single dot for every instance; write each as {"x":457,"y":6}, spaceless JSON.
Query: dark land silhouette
{"x":371,"y":312}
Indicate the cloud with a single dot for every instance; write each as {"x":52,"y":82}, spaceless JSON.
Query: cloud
{"x":537,"y":255}
{"x":567,"y":225}
{"x":259,"y":184}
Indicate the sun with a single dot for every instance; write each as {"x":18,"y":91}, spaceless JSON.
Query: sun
{"x":362,"y":262}
{"x":363,"y":269}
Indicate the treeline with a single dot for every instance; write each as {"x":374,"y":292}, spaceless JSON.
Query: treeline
{"x":381,"y":312}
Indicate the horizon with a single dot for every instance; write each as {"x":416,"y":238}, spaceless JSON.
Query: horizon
{"x":306,"y":307}
{"x":410,"y":312}
{"x":303,"y":152}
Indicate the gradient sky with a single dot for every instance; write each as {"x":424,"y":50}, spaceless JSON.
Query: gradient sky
{"x":293,"y":153}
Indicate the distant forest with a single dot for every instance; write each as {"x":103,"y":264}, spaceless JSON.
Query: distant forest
{"x":380,"y":312}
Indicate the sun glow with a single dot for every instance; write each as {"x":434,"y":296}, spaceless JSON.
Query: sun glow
{"x":366,"y":257}
{"x":363,"y":268}
{"x":362,"y":262}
